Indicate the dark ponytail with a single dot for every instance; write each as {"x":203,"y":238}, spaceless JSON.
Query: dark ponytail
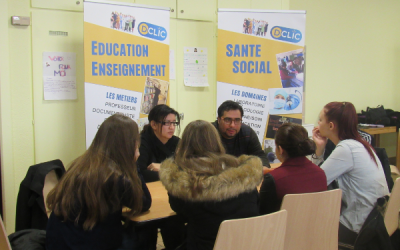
{"x":293,"y":138}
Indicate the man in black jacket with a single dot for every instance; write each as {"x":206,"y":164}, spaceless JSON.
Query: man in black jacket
{"x":237,"y":138}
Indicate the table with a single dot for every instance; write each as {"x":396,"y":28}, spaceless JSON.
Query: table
{"x":160,"y":207}
{"x":376,"y":132}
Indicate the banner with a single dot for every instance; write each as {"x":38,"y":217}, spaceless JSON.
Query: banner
{"x":126,"y":60}
{"x":260,"y":58}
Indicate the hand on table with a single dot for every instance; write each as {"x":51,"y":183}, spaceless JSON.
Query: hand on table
{"x":154,"y":167}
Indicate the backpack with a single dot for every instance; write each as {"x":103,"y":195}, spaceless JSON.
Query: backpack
{"x":376,"y":116}
{"x":394,"y":117}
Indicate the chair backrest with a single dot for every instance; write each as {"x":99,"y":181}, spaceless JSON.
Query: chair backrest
{"x":4,"y":242}
{"x":313,"y":220}
{"x":392,"y":209}
{"x":50,"y":182}
{"x":255,"y":233}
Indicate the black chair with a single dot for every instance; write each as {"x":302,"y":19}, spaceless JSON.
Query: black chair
{"x":381,"y":153}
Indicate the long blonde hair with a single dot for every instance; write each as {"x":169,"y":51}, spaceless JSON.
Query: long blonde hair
{"x":200,"y":153}
{"x":92,"y":180}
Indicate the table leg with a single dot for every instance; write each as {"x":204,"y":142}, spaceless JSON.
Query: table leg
{"x":377,"y":140}
{"x":398,"y":151}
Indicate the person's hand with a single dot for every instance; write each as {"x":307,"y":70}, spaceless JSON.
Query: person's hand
{"x":154,"y":167}
{"x":320,"y":141}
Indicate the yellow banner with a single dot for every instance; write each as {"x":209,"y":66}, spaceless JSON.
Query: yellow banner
{"x":249,"y":61}
{"x":120,"y":60}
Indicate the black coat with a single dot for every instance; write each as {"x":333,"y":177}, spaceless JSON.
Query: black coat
{"x":373,"y":234}
{"x":231,"y":194}
{"x":244,"y":143}
{"x":31,"y":211}
{"x":152,"y":150}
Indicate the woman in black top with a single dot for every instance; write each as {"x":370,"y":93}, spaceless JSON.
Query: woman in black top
{"x":158,"y":141}
{"x":87,"y":202}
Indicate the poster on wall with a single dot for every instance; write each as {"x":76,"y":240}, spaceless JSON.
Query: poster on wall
{"x":126,"y":60}
{"x":59,"y":76}
{"x":260,"y":52}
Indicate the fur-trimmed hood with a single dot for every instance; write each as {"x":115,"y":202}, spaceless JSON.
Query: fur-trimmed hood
{"x":228,"y":184}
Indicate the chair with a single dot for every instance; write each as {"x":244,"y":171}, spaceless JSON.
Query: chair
{"x":392,"y":210}
{"x":384,"y":159}
{"x":313,"y":220}
{"x":4,"y":242}
{"x":31,"y":212}
{"x":50,"y":181}
{"x":255,"y":233}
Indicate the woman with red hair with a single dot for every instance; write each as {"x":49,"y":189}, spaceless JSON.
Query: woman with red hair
{"x":353,"y":164}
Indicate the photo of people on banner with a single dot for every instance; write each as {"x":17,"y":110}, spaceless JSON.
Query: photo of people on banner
{"x":291,"y":68}
{"x":155,"y":92}
{"x":276,"y":121}
{"x":285,"y":101}
{"x":122,"y":22}
{"x":255,"y":27}
{"x":269,"y":150}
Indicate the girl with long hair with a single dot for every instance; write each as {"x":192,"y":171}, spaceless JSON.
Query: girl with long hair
{"x":87,"y":203}
{"x":353,"y":163}
{"x":207,"y":186}
{"x":297,"y":174}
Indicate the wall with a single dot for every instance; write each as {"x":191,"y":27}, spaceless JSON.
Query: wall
{"x":352,"y":54}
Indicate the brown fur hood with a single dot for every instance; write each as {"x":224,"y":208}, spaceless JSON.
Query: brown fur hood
{"x":228,"y":184}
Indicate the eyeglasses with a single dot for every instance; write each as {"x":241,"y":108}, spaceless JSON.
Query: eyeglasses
{"x":170,"y":123}
{"x":228,"y":120}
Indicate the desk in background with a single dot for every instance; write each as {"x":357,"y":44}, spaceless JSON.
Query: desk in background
{"x":376,"y":132}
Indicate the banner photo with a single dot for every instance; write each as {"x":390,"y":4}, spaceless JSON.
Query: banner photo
{"x":126,"y":60}
{"x":260,"y":58}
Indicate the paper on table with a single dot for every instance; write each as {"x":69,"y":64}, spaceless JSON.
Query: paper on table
{"x":59,"y":75}
{"x":195,"y":65}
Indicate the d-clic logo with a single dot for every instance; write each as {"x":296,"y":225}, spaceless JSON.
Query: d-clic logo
{"x":152,"y":31}
{"x":286,"y":34}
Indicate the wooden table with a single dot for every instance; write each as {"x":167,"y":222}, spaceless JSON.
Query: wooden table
{"x":376,"y":132}
{"x":160,"y":207}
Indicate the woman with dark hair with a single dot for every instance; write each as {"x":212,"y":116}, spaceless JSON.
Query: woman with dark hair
{"x":207,"y":186}
{"x":87,"y":202}
{"x":297,"y":174}
{"x":353,"y":163}
{"x":158,"y":141}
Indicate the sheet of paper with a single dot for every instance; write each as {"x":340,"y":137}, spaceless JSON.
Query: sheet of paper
{"x":172,"y":74}
{"x":195,"y":65}
{"x":59,"y":75}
